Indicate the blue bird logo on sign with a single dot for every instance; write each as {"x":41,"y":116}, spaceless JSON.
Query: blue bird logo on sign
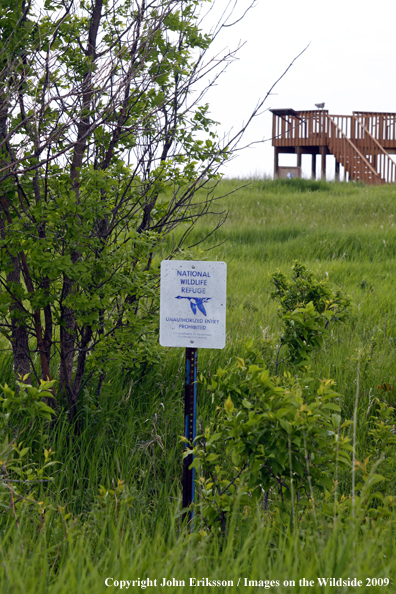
{"x":196,"y":302}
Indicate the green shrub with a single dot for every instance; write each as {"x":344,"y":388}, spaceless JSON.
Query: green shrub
{"x":21,"y":475}
{"x":272,"y":442}
{"x":307,"y":306}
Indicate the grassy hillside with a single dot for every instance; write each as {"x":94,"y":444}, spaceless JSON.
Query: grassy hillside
{"x":344,"y":232}
{"x":112,"y":509}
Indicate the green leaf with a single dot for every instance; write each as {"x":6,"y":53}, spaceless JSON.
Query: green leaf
{"x":246,"y":403}
{"x":229,"y":405}
{"x":282,"y":412}
{"x":286,"y":426}
{"x":214,"y":437}
{"x":331,"y":406}
{"x":336,"y":421}
{"x":375,"y":478}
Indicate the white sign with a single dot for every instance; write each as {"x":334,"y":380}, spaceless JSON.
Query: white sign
{"x":193,"y":304}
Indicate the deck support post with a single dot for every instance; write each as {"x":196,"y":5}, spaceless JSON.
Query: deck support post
{"x":337,"y":170}
{"x":298,"y":151}
{"x":313,"y":166}
{"x":276,"y":162}
{"x":323,"y":155}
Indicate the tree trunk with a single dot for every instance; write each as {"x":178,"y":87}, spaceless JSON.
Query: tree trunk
{"x":19,"y":336}
{"x":20,"y":343}
{"x":67,"y":343}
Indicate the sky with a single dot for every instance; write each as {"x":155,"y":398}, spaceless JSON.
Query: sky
{"x":349,"y":64}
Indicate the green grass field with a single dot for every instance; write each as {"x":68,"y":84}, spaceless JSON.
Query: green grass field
{"x":340,"y":231}
{"x":130,"y":530}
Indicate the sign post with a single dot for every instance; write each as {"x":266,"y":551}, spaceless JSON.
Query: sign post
{"x":192,"y":315}
{"x":190,"y":427}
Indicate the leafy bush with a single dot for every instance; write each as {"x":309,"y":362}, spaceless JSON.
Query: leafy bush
{"x":307,"y":306}
{"x":26,"y":403}
{"x":381,"y":445}
{"x":274,"y":441}
{"x":21,"y":475}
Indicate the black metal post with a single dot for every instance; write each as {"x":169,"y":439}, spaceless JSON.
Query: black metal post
{"x":190,"y":422}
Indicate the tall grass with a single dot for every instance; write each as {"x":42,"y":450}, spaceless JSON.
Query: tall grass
{"x":256,"y":554}
{"x":129,"y":435}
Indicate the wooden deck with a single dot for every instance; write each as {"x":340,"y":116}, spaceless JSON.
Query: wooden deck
{"x":361,"y":143}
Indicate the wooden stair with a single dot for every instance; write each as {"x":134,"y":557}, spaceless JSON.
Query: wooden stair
{"x":374,"y":152}
{"x":361,"y":143}
{"x":347,"y":154}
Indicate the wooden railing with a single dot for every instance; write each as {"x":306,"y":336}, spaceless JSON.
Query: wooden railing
{"x":306,"y":128}
{"x":345,"y":151}
{"x":344,"y":123}
{"x":373,"y":151}
{"x":382,"y":126}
